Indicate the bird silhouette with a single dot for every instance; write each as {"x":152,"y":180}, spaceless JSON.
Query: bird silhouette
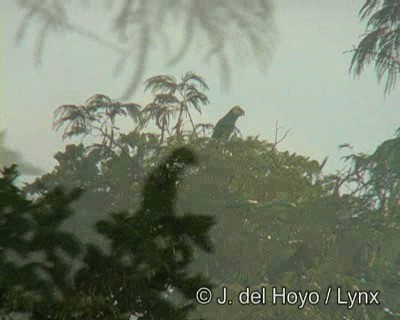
{"x":226,"y":125}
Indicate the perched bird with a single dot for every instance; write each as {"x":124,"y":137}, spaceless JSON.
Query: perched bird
{"x":225,"y":126}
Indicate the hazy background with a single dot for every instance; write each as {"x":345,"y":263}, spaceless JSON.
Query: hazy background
{"x":306,"y":86}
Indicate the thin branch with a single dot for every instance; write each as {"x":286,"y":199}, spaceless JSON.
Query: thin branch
{"x":111,"y":140}
{"x":191,"y":120}
{"x":276,"y":139}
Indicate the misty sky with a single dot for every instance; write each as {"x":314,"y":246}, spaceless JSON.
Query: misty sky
{"x":306,"y":87}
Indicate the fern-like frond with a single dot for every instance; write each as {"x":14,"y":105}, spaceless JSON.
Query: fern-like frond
{"x":162,"y":83}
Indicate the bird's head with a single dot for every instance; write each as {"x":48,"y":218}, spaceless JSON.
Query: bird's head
{"x":237,"y":111}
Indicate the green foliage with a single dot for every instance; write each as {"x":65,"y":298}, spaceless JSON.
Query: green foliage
{"x":98,"y":114}
{"x":380,"y":45}
{"x":34,"y":251}
{"x":174,"y":100}
{"x":150,"y":253}
{"x":280,"y":222}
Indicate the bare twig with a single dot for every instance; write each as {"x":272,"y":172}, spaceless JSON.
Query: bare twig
{"x":276,"y":139}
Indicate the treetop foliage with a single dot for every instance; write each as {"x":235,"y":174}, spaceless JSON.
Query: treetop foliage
{"x":279,"y":219}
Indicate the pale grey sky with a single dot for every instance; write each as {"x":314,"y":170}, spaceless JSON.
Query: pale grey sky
{"x":307,"y":87}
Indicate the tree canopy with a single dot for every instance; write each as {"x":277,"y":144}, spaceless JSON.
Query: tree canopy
{"x":280,"y":220}
{"x":131,"y":224}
